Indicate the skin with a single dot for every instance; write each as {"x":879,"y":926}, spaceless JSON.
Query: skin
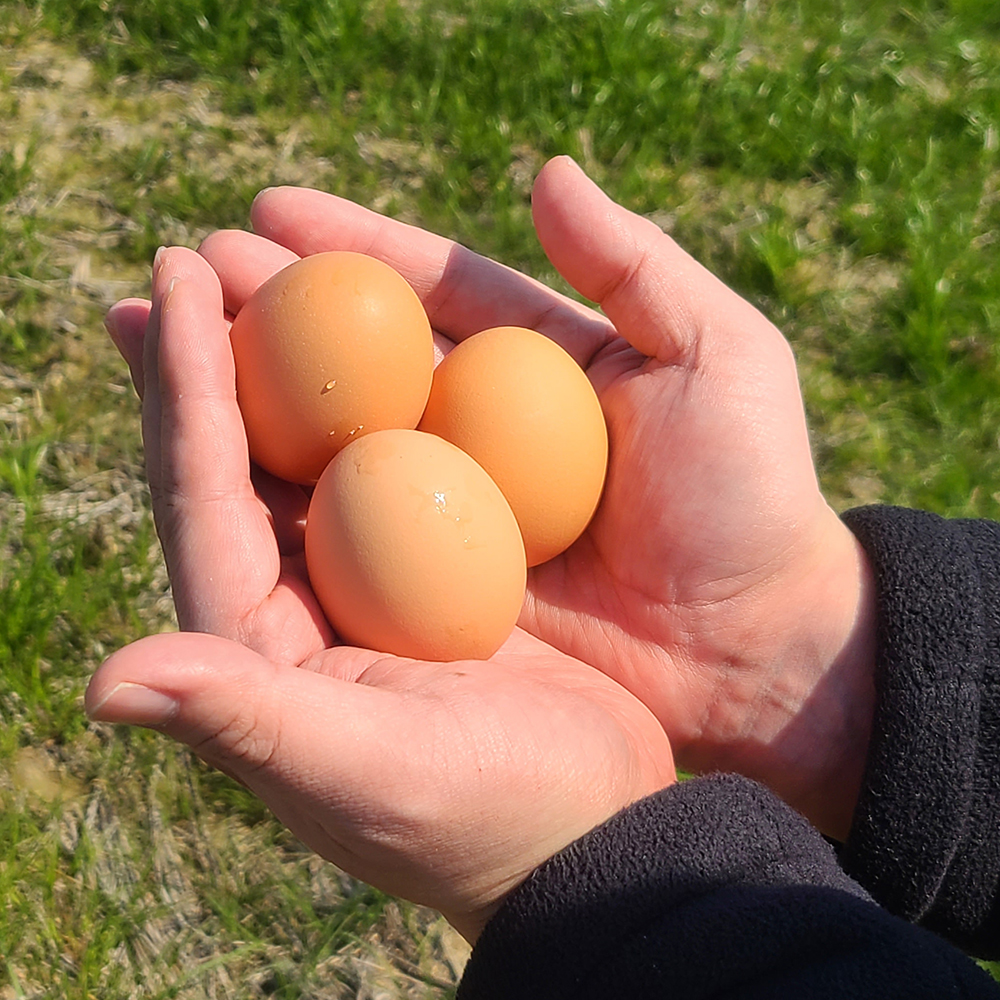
{"x":446,"y":783}
{"x":715,"y":600}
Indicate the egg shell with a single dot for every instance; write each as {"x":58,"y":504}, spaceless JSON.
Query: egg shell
{"x":412,"y":549}
{"x":329,"y":348}
{"x":524,"y":410}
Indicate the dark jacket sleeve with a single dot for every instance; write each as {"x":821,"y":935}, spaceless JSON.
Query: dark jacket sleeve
{"x":710,"y":889}
{"x":926,"y":835}
{"x":713,"y":888}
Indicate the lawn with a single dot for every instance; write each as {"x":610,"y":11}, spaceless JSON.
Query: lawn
{"x":839,"y":164}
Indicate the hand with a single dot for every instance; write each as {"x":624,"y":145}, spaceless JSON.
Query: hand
{"x":446,"y":783}
{"x":714,"y":582}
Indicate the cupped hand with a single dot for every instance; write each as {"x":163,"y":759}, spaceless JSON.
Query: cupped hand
{"x":446,"y":783}
{"x":232,"y":536}
{"x":714,"y":582}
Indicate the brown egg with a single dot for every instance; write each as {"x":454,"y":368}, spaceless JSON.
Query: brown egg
{"x":330,"y":348}
{"x":526,"y":412}
{"x":412,"y":549}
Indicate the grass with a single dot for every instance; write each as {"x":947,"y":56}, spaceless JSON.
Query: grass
{"x":837,"y":163}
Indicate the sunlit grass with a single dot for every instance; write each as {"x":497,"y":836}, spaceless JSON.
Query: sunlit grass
{"x":837,"y":163}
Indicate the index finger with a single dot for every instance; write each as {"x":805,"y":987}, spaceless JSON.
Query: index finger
{"x":243,"y":263}
{"x":462,"y":291}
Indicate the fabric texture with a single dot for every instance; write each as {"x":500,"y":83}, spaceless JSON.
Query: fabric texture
{"x":926,"y":834}
{"x":711,"y":888}
{"x":714,"y":888}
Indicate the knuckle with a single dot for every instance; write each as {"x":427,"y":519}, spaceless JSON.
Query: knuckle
{"x":242,"y":743}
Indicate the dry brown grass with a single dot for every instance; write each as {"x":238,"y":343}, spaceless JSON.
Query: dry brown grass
{"x":127,"y":875}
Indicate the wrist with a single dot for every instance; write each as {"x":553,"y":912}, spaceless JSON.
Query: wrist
{"x":824,"y":749}
{"x":647,"y":882}
{"x":795,"y":711}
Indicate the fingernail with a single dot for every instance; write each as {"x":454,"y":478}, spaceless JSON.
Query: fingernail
{"x":157,"y":261}
{"x":135,"y":705}
{"x":165,"y":302}
{"x":569,"y":159}
{"x":111,"y":325}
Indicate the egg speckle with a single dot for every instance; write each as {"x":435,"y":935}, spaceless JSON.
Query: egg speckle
{"x":412,"y":549}
{"x":331,"y":346}
{"x":524,"y":409}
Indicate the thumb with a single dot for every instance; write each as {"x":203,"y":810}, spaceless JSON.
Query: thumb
{"x":313,"y":747}
{"x":662,"y":301}
{"x":271,"y":726}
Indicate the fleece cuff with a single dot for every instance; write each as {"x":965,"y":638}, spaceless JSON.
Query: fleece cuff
{"x":924,"y":839}
{"x":704,"y":865}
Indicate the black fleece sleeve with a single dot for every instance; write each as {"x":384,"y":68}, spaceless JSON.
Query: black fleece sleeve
{"x":712,"y":888}
{"x":926,"y":835}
